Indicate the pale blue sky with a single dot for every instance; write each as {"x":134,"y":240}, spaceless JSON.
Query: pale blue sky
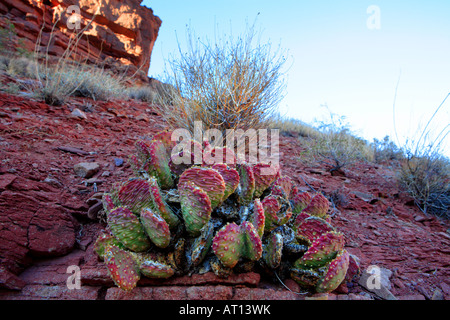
{"x":335,"y":59}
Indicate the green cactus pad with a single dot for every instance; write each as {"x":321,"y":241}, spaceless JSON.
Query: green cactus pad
{"x":195,"y":207}
{"x":230,"y":176}
{"x":157,"y":164}
{"x":122,"y":268}
{"x":227,"y":244}
{"x":103,"y":241}
{"x":264,"y":177}
{"x":272,"y":250}
{"x":312,"y":228}
{"x":233,"y":242}
{"x":258,"y":218}
{"x":335,"y":273}
{"x":246,"y":187}
{"x":125,"y":226}
{"x":156,"y":227}
{"x":322,"y":251}
{"x":299,"y":200}
{"x":209,"y":180}
{"x":160,"y":206}
{"x":318,"y":206}
{"x":135,"y":194}
{"x":251,"y":245}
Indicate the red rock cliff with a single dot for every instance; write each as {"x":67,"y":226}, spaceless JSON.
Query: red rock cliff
{"x":121,"y":29}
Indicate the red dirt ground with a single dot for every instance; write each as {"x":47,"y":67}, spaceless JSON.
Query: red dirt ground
{"x":44,"y":225}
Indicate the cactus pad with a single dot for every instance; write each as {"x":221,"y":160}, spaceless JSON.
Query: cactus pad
{"x":195,"y":207}
{"x":160,"y":206}
{"x":202,"y":244}
{"x":277,"y":212}
{"x":310,"y":229}
{"x":123,"y":269}
{"x":156,"y":227}
{"x":103,"y":241}
{"x":157,"y":164}
{"x":318,"y":206}
{"x":335,"y":273}
{"x":262,"y":179}
{"x":246,"y":187}
{"x":230,"y":177}
{"x":154,"y":269}
{"x":135,"y":194}
{"x":209,"y":180}
{"x":321,"y":251}
{"x":233,"y":242}
{"x":126,"y":228}
{"x":300,"y":200}
{"x":258,"y":218}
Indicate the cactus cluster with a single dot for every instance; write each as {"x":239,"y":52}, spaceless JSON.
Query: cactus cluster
{"x":175,"y":218}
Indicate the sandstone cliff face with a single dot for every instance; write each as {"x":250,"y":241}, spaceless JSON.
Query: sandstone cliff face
{"x":119,"y":29}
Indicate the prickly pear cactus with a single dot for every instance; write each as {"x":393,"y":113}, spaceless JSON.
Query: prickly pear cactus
{"x":174,"y":218}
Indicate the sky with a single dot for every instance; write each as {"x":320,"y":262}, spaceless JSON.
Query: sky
{"x":354,"y":57}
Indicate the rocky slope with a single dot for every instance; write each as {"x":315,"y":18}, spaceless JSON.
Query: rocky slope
{"x":48,"y":213}
{"x":121,"y":30}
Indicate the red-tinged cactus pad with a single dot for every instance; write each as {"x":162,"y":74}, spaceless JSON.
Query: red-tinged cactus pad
{"x":264,"y":177}
{"x":272,"y":250}
{"x":231,"y":178}
{"x":321,"y":251}
{"x":160,"y":206}
{"x":285,"y":183}
{"x":142,"y":151}
{"x":300,"y":200}
{"x":227,"y":244}
{"x":246,"y":187}
{"x":126,"y":228}
{"x":156,"y":227}
{"x":318,"y":206}
{"x":312,"y":228}
{"x":135,"y":194}
{"x":195,"y":207}
{"x":307,"y":278}
{"x":108,"y":203}
{"x":277,"y":212}
{"x":210,"y":180}
{"x":233,"y":242}
{"x":122,"y":268}
{"x":299,"y":218}
{"x":258,"y":219}
{"x":103,"y":241}
{"x":155,"y":270}
{"x":157,"y":164}
{"x":335,"y":273}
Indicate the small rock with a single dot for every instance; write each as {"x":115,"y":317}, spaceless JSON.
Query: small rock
{"x":53,"y":182}
{"x":437,"y":295}
{"x":378,"y":283}
{"x":77,"y":113}
{"x":106,"y":174}
{"x":86,"y":169}
{"x":118,"y":162}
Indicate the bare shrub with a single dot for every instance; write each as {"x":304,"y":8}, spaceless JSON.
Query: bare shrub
{"x":229,"y":84}
{"x":336,"y":146}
